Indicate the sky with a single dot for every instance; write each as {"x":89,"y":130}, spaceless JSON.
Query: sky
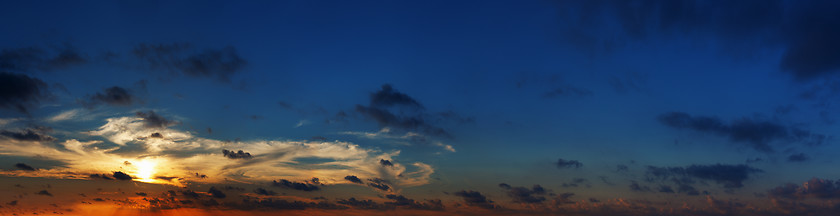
{"x":539,"y":107}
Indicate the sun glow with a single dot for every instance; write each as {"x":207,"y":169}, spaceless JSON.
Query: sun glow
{"x":145,"y":170}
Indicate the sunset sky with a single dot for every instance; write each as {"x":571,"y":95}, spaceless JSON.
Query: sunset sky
{"x":540,"y":107}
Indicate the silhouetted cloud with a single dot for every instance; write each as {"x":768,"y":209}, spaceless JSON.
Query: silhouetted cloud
{"x":562,"y":163}
{"x":525,"y":195}
{"x":21,"y":92}
{"x":474,"y":198}
{"x":303,"y":186}
{"x":804,"y":31}
{"x":634,"y":186}
{"x":28,"y":135}
{"x":380,"y":184}
{"x":263,"y":191}
{"x":353,"y":179}
{"x":755,"y":133}
{"x":730,"y":176}
{"x":801,"y":157}
{"x":387,"y":97}
{"x":216,"y":193}
{"x":412,"y":118}
{"x":402,"y":201}
{"x":211,"y":63}
{"x":114,"y":95}
{"x":153,"y":120}
{"x":35,"y":58}
{"x":44,"y":192}
{"x":121,"y":176}
{"x":814,"y":188}
{"x":665,"y":189}
{"x":236,"y":155}
{"x":384,"y":162}
{"x":23,"y":166}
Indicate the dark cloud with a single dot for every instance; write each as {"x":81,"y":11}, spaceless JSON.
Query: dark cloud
{"x":730,"y":176}
{"x":182,"y":58}
{"x":665,"y":189}
{"x":263,"y":191}
{"x":21,"y":92}
{"x":404,"y":202}
{"x":384,"y":162}
{"x":236,"y":155}
{"x":100,"y":176}
{"x":44,"y":192}
{"x":621,"y":168}
{"x":114,"y":95}
{"x":216,"y":193}
{"x":801,"y":157}
{"x":387,"y":97}
{"x":23,"y":166}
{"x":380,"y":186}
{"x":562,"y":163}
{"x":805,"y":31}
{"x":411,"y":115}
{"x":35,"y":58}
{"x":121,"y":176}
{"x":525,"y":195}
{"x":361,"y":204}
{"x":474,"y":198}
{"x":28,"y":135}
{"x":153,"y":120}
{"x":141,"y":194}
{"x":814,"y":188}
{"x":303,"y":186}
{"x":156,"y":135}
{"x":754,"y":133}
{"x":634,"y":186}
{"x":564,"y":198}
{"x":353,"y":179}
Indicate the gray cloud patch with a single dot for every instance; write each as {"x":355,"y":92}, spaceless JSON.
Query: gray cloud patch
{"x":730,"y":176}
{"x":153,"y":120}
{"x":35,"y":58}
{"x":236,"y":155}
{"x":21,"y":92}
{"x":754,"y":133}
{"x":182,"y":58}
{"x":114,"y":95}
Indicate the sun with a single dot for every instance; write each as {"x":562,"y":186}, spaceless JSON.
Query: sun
{"x":145,"y":170}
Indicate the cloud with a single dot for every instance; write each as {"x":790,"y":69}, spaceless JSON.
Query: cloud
{"x":236,"y":155}
{"x":302,"y":186}
{"x":730,"y":176}
{"x":31,"y":135}
{"x":220,"y":64}
{"x":21,"y":92}
{"x":804,"y":31}
{"x":380,"y":184}
{"x":567,"y":90}
{"x":353,"y":179}
{"x":801,"y":157}
{"x":35,"y":58}
{"x":411,"y":116}
{"x":525,"y":195}
{"x":23,"y":166}
{"x":263,"y":191}
{"x":815,"y":188}
{"x":216,"y":193}
{"x":634,"y":186}
{"x":114,"y":95}
{"x":153,"y":120}
{"x":44,"y":192}
{"x":121,"y":176}
{"x":562,"y":163}
{"x":402,"y":201}
{"x":474,"y":198}
{"x":387,"y":97}
{"x":754,"y":133}
{"x":384,"y":162}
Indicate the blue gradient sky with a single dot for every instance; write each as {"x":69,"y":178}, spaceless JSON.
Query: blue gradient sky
{"x":502,"y":91}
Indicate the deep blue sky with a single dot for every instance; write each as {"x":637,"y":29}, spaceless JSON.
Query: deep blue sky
{"x":481,"y":92}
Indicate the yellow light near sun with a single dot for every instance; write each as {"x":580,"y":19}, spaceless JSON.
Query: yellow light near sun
{"x":145,"y":170}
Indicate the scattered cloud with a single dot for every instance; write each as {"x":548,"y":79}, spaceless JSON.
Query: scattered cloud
{"x":730,"y":176}
{"x":236,"y":155}
{"x":474,"y":198}
{"x":182,"y":58}
{"x":562,"y":163}
{"x":754,"y":133}
{"x":20,"y":92}
{"x":525,"y":195}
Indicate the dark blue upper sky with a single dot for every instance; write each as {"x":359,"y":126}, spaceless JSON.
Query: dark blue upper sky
{"x":483,"y":92}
